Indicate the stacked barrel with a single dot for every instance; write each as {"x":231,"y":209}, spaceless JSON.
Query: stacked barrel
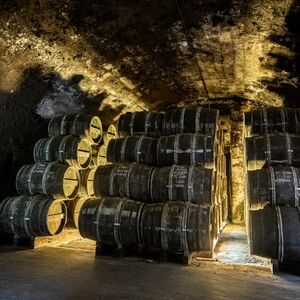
{"x":273,"y":161}
{"x":53,"y":189}
{"x":159,"y":186}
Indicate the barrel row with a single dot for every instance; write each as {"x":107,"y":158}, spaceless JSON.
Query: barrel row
{"x":149,"y":184}
{"x":270,"y":120}
{"x":30,"y":216}
{"x":184,"y":148}
{"x":273,"y":149}
{"x":182,"y":120}
{"x":81,"y":125}
{"x":177,"y":227}
{"x":59,"y":181}
{"x":67,"y":149}
{"x":53,"y":179}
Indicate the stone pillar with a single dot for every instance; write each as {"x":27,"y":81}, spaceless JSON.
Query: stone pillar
{"x":237,"y":168}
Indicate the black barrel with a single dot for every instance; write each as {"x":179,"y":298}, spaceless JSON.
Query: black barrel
{"x":182,"y":183}
{"x":27,"y":216}
{"x":111,"y":133}
{"x":272,"y":119}
{"x":177,"y":227}
{"x":53,"y":179}
{"x":190,"y":120}
{"x":275,"y":233}
{"x":273,"y":149}
{"x":111,"y":221}
{"x":140,"y":123}
{"x":140,"y":149}
{"x":80,"y":125}
{"x":274,"y":186}
{"x":88,"y":218}
{"x":123,"y":180}
{"x":185,"y":149}
{"x":65,"y":149}
{"x":73,"y":208}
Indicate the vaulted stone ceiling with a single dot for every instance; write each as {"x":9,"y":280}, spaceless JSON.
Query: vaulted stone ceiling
{"x":155,"y":54}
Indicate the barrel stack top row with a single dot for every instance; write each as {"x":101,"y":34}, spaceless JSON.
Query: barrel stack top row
{"x":182,"y":120}
{"x":271,"y":120}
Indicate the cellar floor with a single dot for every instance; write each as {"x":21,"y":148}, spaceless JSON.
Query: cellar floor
{"x":72,"y":272}
{"x":233,"y":248}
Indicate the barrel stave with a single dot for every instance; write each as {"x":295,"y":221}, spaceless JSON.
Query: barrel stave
{"x":159,"y":185}
{"x":151,"y":225}
{"x":139,"y":182}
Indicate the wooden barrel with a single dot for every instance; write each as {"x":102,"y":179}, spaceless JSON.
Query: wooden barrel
{"x":111,"y":133}
{"x":123,"y":180}
{"x":275,"y":233}
{"x":177,"y":227}
{"x":190,"y":120}
{"x":273,"y":186}
{"x":140,"y":123}
{"x":140,"y":149}
{"x":87,"y":182}
{"x":73,"y":208}
{"x":27,"y":216}
{"x":99,"y":156}
{"x":65,"y":149}
{"x":80,"y":125}
{"x":273,"y":149}
{"x":88,"y":218}
{"x":182,"y":183}
{"x":272,"y":119}
{"x":185,"y":149}
{"x":53,"y":179}
{"x":111,"y":221}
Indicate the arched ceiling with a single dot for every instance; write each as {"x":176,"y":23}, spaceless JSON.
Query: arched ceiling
{"x":154,"y":54}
